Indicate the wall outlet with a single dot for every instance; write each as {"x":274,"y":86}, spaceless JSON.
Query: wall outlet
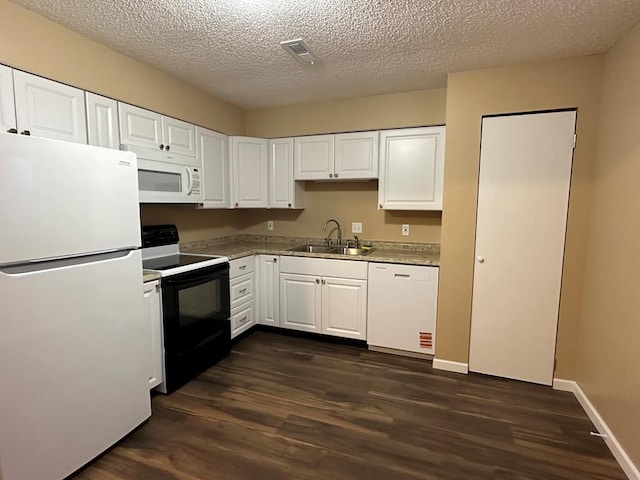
{"x":270,"y":225}
{"x":405,"y":229}
{"x":356,"y":227}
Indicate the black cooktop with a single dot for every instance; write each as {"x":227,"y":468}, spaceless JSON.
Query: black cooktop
{"x":172,"y":261}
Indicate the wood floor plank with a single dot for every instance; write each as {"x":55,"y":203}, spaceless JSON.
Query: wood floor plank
{"x":281,"y":407}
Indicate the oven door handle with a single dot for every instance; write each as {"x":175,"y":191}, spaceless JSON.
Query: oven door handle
{"x":213,"y":273}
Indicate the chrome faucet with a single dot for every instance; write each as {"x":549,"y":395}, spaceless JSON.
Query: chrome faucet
{"x":339,"y":231}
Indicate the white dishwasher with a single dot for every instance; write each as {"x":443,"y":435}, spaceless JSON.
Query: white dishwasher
{"x":402,"y":307}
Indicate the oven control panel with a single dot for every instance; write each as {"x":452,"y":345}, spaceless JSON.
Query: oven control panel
{"x":157,"y":235}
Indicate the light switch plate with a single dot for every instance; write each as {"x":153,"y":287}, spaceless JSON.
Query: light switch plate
{"x":270,"y":225}
{"x":405,"y":229}
{"x":356,"y":227}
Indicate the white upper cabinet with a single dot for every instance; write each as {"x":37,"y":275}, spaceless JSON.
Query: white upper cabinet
{"x":314,"y":157}
{"x":250,"y":177}
{"x":179,"y":137}
{"x":411,"y":169}
{"x":49,"y":109}
{"x":356,"y":155}
{"x":216,"y":176}
{"x":147,"y":129}
{"x":344,"y":156}
{"x":7,"y":103}
{"x":140,"y":127}
{"x":102,"y":121}
{"x":284,"y":192}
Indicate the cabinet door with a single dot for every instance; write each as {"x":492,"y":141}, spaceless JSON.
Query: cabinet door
{"x":281,"y":184}
{"x":7,"y":103}
{"x":344,"y":307}
{"x":300,"y":304}
{"x":356,"y":155}
{"x":268,"y":290}
{"x":249,"y":163}
{"x":179,"y":137}
{"x":140,"y":127}
{"x":153,"y":320}
{"x":411,"y":169}
{"x":314,"y":157}
{"x":242,"y":318}
{"x":102,"y":121}
{"x":49,"y":109}
{"x":216,"y":178}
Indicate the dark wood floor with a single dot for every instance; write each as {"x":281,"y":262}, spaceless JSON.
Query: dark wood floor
{"x":291,"y":408}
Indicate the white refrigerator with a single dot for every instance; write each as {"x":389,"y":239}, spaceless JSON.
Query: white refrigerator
{"x":72,"y":333}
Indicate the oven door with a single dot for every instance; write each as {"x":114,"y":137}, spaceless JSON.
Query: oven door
{"x":197,"y":332}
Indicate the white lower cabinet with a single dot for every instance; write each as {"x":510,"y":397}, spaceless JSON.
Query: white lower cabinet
{"x":268,"y":304}
{"x":344,"y":307}
{"x":324,"y":296}
{"x":402,"y":307}
{"x":242,"y":286}
{"x":300,"y":304}
{"x":153,"y":319}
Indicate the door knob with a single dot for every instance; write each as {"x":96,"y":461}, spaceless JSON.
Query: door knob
{"x":12,"y":130}
{"x":480,"y":259}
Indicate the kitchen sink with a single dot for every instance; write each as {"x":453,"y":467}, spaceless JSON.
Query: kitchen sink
{"x":313,"y":249}
{"x":341,"y":250}
{"x":351,"y":251}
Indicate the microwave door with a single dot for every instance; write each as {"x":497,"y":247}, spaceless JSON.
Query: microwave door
{"x":165,"y":183}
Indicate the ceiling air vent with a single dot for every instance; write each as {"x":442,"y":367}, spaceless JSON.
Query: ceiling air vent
{"x":300,"y":51}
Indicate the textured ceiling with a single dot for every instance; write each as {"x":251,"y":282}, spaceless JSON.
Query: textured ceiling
{"x":231,"y":49}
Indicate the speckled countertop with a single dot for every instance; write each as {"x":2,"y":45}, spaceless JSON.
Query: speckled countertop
{"x":238,"y":246}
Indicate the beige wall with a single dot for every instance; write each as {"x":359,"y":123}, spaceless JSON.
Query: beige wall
{"x":565,"y":83}
{"x":351,"y":201}
{"x":608,"y":361}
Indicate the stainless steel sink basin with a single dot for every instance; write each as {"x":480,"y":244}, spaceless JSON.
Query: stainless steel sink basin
{"x":331,"y":249}
{"x":351,"y":251}
{"x":312,"y":249}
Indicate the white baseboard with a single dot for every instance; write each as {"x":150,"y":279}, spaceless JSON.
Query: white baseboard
{"x":449,"y":366}
{"x":612,"y":442}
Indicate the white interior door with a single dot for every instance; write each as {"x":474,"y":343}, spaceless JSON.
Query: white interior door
{"x":525,"y":171}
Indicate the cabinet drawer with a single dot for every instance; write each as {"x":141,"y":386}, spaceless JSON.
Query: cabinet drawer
{"x":240,"y":266}
{"x":242,"y":318}
{"x":241,"y":289}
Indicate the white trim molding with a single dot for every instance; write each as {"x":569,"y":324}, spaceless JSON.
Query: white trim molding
{"x":449,"y":366}
{"x":609,"y":438}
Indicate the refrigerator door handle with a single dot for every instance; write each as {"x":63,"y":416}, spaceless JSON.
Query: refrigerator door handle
{"x":45,"y":265}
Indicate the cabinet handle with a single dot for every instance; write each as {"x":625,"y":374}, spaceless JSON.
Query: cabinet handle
{"x":323,"y":282}
{"x":331,"y":175}
{"x":236,"y":204}
{"x":25,"y":132}
{"x":242,"y":291}
{"x":275,"y":260}
{"x":480,"y":259}
{"x":12,"y":130}
{"x":402,"y":275}
{"x":243,"y":319}
{"x":335,"y":175}
{"x":167,"y":148}
{"x":380,"y":206}
{"x":289,"y":205}
{"x":317,"y":280}
{"x":242,"y":267}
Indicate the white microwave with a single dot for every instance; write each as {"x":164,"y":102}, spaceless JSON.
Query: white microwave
{"x":167,"y":178}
